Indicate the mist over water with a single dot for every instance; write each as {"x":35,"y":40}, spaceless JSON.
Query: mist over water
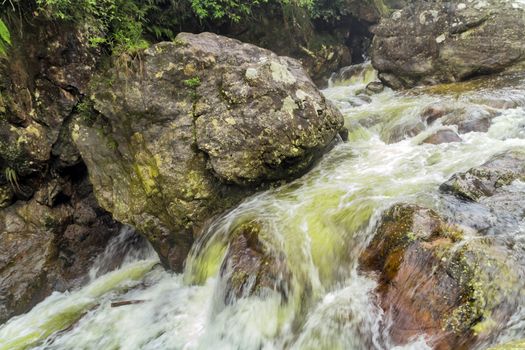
{"x":320,"y":223}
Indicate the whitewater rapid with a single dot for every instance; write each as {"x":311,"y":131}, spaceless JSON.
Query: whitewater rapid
{"x":321,"y":222}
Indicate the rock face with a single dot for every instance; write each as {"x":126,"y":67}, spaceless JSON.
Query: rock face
{"x":489,"y":178}
{"x":491,"y":196}
{"x":251,"y":268}
{"x":457,"y":291}
{"x":51,"y":227}
{"x":40,"y":84}
{"x":49,"y":243}
{"x":444,"y":41}
{"x":192,"y":126}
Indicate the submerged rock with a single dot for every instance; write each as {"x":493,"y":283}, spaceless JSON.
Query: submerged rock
{"x":251,"y":267}
{"x":190,"y":127}
{"x":363,"y":72}
{"x":470,"y":118}
{"x":442,"y":136}
{"x":458,"y":292}
{"x":467,"y":117}
{"x":434,"y":41}
{"x":374,"y":87}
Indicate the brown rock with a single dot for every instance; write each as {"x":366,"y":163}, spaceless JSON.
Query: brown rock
{"x":430,"y":283}
{"x":251,"y":267}
{"x":442,"y":136}
{"x":46,"y":246}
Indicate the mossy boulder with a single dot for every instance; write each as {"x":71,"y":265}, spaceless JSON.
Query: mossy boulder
{"x":252,"y":267}
{"x":429,"y":42}
{"x":432,"y":280}
{"x":188,"y":128}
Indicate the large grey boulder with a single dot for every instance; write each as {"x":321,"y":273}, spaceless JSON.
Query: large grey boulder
{"x":188,"y":128}
{"x":429,"y":42}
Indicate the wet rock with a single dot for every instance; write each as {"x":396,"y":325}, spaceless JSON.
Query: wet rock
{"x":344,"y":134}
{"x":192,"y":127}
{"x":487,"y":179}
{"x":467,"y":117}
{"x":356,"y":73}
{"x":431,"y":42}
{"x":374,"y":87}
{"x":370,"y":120}
{"x":504,"y":100}
{"x":431,"y":281}
{"x":434,"y":112}
{"x":47,"y":71}
{"x":442,"y":136}
{"x":251,"y":267}
{"x":402,"y":130}
{"x":47,"y":247}
{"x":324,"y":59}
{"x":470,"y":119}
{"x":490,"y":197}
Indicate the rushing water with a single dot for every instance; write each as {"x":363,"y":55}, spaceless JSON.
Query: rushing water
{"x":320,"y":223}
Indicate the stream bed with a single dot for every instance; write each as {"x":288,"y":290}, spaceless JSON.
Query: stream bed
{"x":320,"y":222}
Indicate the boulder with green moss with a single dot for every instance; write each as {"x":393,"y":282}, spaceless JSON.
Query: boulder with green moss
{"x":433,"y":279}
{"x":188,"y":128}
{"x":435,"y":41}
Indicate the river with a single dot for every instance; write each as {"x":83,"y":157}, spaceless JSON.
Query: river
{"x":320,"y":222}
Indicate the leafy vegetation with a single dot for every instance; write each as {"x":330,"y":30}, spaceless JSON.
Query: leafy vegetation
{"x":126,"y":25}
{"x":5,"y":38}
{"x":12,"y":178}
{"x":193,"y":83}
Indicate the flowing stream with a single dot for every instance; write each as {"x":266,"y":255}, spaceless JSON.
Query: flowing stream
{"x":320,"y":223}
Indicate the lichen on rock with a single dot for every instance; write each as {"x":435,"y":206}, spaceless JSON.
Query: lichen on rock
{"x":195,"y":126}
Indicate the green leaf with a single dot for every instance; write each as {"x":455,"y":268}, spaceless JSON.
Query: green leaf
{"x":5,"y":38}
{"x":4,"y":33}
